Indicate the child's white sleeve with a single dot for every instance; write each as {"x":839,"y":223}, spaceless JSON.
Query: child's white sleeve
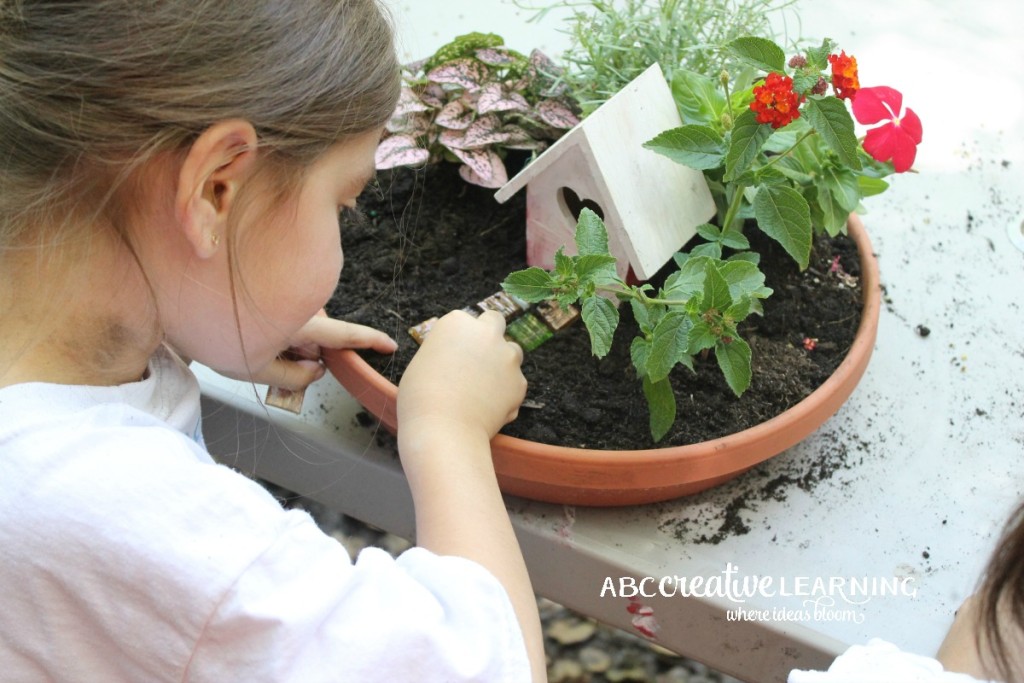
{"x":303,"y":612}
{"x":880,"y":662}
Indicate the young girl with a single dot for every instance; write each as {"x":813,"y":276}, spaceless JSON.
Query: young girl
{"x":985,"y":643}
{"x":171,"y":173}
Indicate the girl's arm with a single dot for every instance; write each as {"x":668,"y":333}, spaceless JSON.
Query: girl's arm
{"x":463,"y":385}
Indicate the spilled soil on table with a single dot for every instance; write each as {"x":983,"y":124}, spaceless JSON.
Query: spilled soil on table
{"x":424,"y":242}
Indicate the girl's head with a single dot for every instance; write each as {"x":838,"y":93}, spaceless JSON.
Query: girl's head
{"x":103,"y":104}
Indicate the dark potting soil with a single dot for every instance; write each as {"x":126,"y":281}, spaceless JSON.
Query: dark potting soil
{"x":425,"y":242}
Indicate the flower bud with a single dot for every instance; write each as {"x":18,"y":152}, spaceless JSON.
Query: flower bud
{"x":797,"y":61}
{"x":724,"y":77}
{"x":820,"y":87}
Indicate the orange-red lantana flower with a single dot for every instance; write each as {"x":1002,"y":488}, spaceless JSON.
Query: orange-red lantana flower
{"x":775,"y":102}
{"x":844,"y":75}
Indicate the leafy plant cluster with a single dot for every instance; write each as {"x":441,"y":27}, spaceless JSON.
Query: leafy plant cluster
{"x":695,"y":312}
{"x":614,"y":41}
{"x":471,"y":102}
{"x":777,"y":150}
{"x":798,"y":171}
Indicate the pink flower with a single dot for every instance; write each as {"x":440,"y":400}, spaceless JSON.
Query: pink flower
{"x":896,"y":139}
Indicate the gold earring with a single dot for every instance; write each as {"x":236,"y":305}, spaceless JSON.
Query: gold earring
{"x":214,"y":239}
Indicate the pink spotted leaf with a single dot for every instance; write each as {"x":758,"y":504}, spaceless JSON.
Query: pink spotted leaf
{"x":556,"y":114}
{"x":486,"y":130}
{"x":482,"y":167}
{"x":493,"y":98}
{"x":432,"y":95}
{"x":408,"y":103}
{"x":496,"y":56}
{"x":454,"y":116}
{"x":400,"y":150}
{"x":465,"y":72}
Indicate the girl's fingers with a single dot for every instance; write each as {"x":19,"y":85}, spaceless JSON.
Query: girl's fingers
{"x":327,"y":333}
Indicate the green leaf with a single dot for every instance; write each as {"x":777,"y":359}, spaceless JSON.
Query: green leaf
{"x":710,"y":249}
{"x":564,"y":265}
{"x":533,"y":284}
{"x":739,"y":310}
{"x":747,"y":138}
{"x":639,"y":351}
{"x":697,"y":97}
{"x":716,"y":289}
{"x":668,"y":344}
{"x":699,"y":147}
{"x":869,"y":187}
{"x":642,"y":316}
{"x":734,"y":239}
{"x":596,"y":268}
{"x":601,"y":318}
{"x":759,"y":53}
{"x":701,"y":337}
{"x":817,"y":57}
{"x":828,"y":211}
{"x":828,"y":116}
{"x":804,"y":80}
{"x":661,"y":403}
{"x":591,"y":235}
{"x":687,"y":281}
{"x":743,"y":277}
{"x":844,"y":187}
{"x":709,"y":232}
{"x":734,"y":361}
{"x":784,"y":215}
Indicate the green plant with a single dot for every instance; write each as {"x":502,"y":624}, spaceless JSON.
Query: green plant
{"x":695,"y":312}
{"x":778,"y":152}
{"x":777,"y":149}
{"x":613,"y":41}
{"x":471,"y":102}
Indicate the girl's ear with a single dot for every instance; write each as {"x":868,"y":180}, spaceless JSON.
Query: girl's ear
{"x":214,"y":169}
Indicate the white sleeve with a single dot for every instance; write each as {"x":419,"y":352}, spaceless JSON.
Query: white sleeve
{"x":880,"y":662}
{"x":303,"y":612}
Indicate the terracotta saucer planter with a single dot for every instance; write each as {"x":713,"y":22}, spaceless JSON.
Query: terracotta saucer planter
{"x":578,"y":476}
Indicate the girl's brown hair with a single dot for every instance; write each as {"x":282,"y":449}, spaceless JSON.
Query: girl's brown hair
{"x":1001,"y":602}
{"x":92,"y":90}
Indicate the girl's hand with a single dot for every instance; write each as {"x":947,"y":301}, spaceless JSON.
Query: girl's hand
{"x":466,"y":376}
{"x":299,"y":365}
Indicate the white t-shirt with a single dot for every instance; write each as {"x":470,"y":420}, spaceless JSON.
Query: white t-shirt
{"x":127,"y":554}
{"x":881,"y":662}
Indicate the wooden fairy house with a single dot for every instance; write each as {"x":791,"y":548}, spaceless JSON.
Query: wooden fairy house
{"x":650,"y":204}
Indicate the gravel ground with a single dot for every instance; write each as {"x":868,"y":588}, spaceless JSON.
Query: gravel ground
{"x":579,"y":649}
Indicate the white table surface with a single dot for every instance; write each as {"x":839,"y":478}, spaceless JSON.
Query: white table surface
{"x":924,"y":461}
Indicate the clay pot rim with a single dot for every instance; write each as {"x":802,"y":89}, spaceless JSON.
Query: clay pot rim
{"x":747,"y":440}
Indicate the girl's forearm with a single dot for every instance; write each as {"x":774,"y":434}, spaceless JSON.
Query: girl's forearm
{"x":459,"y":511}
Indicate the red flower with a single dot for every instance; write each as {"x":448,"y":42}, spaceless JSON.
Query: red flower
{"x":775,"y":102}
{"x":896,"y":139}
{"x":844,"y":75}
